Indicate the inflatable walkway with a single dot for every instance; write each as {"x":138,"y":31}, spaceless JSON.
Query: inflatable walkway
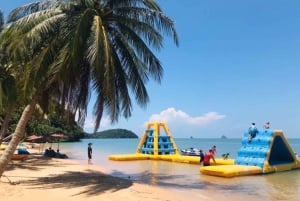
{"x":268,"y":152}
{"x":157,"y":143}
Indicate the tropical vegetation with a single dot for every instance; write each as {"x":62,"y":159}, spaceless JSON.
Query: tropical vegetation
{"x":42,"y":125}
{"x":60,"y":52}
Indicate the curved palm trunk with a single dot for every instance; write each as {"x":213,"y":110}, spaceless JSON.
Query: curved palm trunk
{"x":6,"y":120}
{"x":17,"y":136}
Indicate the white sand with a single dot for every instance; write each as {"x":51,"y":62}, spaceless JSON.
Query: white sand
{"x":39,"y":178}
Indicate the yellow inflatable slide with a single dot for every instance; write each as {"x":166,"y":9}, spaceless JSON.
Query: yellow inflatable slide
{"x":158,"y":145}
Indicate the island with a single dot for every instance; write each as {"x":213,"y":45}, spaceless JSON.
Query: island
{"x":223,"y":137}
{"x":112,"y":133}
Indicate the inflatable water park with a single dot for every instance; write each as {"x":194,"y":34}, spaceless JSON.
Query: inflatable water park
{"x":268,"y":152}
{"x":157,"y":143}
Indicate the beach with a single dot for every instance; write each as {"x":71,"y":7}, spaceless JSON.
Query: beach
{"x":41,"y":178}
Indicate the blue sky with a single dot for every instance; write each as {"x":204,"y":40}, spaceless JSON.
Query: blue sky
{"x":237,"y":63}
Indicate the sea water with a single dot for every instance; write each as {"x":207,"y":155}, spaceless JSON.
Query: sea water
{"x":187,"y":177}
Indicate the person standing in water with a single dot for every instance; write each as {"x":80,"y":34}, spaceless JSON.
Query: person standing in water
{"x":208,"y":155}
{"x":214,"y":149}
{"x":90,"y":151}
{"x":201,"y":156}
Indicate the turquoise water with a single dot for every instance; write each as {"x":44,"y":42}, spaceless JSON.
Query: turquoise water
{"x":186,"y":177}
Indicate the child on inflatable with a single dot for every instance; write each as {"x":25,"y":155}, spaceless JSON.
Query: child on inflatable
{"x":252,"y":132}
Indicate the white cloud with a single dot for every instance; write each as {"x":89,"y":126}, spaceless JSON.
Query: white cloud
{"x":89,"y":124}
{"x":171,"y":115}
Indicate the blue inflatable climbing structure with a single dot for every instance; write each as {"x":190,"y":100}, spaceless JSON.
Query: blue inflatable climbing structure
{"x":268,"y":152}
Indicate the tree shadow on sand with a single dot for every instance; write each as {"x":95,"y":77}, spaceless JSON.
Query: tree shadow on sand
{"x":94,"y":182}
{"x":174,"y":181}
{"x":33,"y":162}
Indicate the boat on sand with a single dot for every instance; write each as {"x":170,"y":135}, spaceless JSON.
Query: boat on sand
{"x":19,"y":157}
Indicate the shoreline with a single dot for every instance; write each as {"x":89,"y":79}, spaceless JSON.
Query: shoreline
{"x":146,"y":180}
{"x":66,"y":179}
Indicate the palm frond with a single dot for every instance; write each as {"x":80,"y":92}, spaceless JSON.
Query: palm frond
{"x":26,"y":10}
{"x":69,"y":48}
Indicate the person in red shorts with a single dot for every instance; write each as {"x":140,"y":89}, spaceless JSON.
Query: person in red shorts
{"x":208,"y":155}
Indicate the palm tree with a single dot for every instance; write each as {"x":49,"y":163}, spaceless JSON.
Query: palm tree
{"x":8,"y":94}
{"x":7,"y":87}
{"x":1,"y":21}
{"x":76,"y":47}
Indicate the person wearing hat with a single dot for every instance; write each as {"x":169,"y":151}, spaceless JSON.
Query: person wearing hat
{"x":90,"y":151}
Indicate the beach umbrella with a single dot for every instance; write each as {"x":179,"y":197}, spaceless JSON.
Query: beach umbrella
{"x":58,"y":137}
{"x":34,"y":138}
{"x":37,"y":139}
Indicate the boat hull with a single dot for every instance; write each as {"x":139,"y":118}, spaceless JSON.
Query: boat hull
{"x":19,"y":157}
{"x":190,"y":152}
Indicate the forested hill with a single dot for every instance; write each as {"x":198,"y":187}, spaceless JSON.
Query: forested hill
{"x":112,"y":133}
